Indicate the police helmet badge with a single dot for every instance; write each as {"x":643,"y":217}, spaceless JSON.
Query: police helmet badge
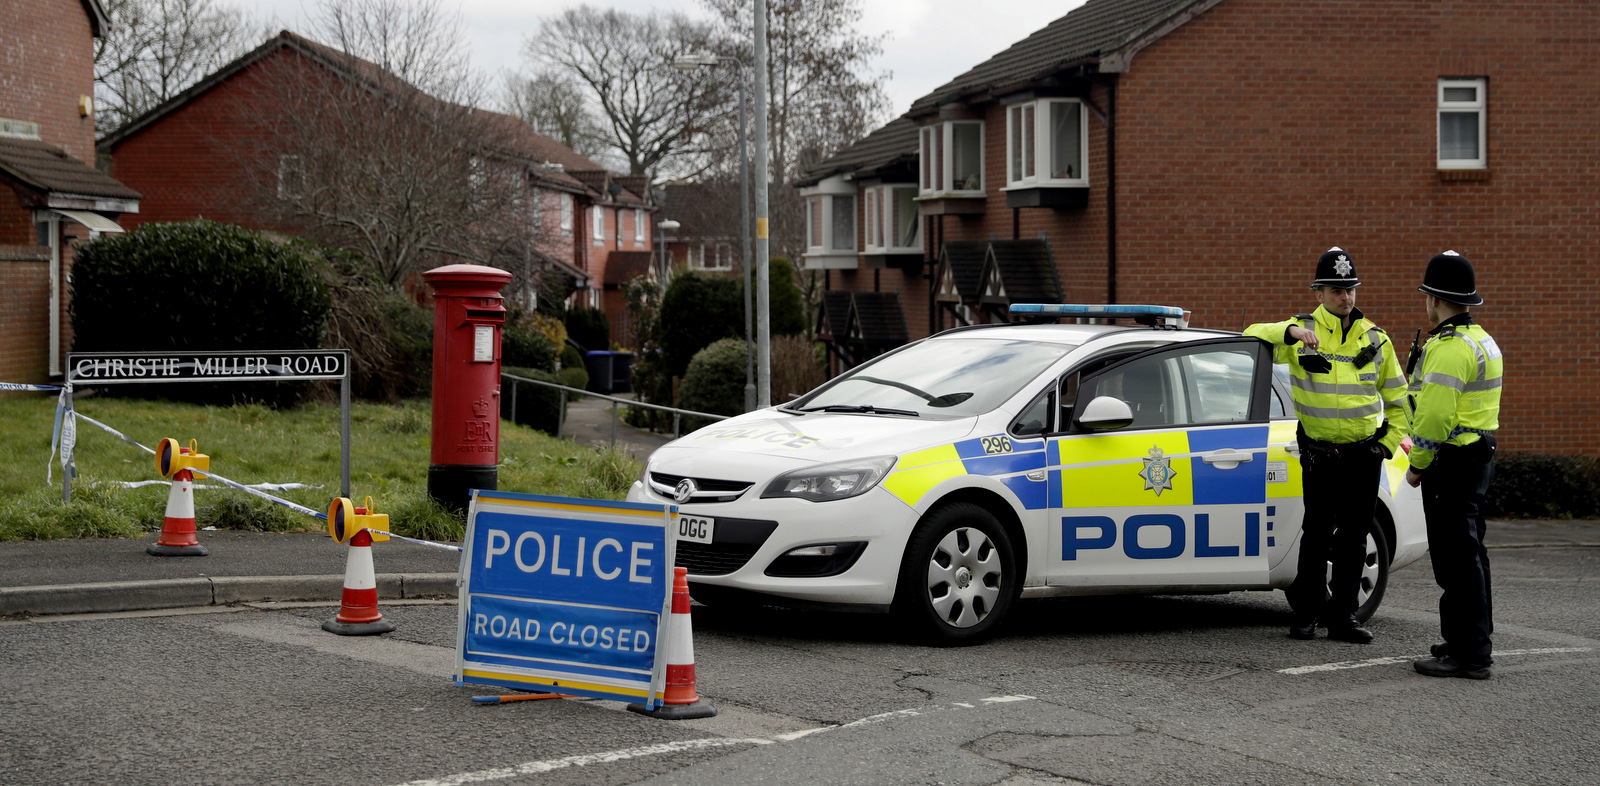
{"x":1157,"y":472}
{"x":1342,"y":265}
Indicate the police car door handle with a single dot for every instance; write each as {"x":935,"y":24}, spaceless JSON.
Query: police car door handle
{"x":1037,"y":474}
{"x":1227,"y":458}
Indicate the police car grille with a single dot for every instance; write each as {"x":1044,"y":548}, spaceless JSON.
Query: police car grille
{"x":714,"y":559}
{"x":711,"y":489}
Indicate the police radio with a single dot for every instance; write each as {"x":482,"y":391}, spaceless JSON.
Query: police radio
{"x":1366,"y":355}
{"x":1415,"y":354}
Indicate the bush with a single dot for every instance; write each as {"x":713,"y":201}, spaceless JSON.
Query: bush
{"x":797,"y":367}
{"x":524,"y":348}
{"x":571,"y":357}
{"x":389,"y":336}
{"x":1536,"y":485}
{"x":714,"y":382}
{"x":695,"y":311}
{"x":537,"y":406}
{"x":199,"y":285}
{"x":589,"y":328}
{"x":574,"y":377}
{"x":787,"y":305}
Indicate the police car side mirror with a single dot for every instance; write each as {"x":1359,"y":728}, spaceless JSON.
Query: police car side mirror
{"x":1105,"y":413}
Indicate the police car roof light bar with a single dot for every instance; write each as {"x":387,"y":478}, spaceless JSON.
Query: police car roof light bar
{"x":1170,"y":316}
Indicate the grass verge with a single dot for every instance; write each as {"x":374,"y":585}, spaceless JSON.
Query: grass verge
{"x":251,"y":443}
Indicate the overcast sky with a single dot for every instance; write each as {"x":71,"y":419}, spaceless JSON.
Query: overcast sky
{"x":930,"y":41}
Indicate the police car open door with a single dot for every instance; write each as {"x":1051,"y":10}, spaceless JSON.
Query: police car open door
{"x":1176,"y":497}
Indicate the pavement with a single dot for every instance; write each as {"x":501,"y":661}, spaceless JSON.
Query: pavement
{"x":115,"y":574}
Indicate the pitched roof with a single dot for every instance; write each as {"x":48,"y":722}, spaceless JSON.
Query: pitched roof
{"x":835,"y":317}
{"x":1027,"y":270}
{"x":621,"y":266}
{"x":965,"y":259}
{"x":895,"y":143}
{"x":883,"y":324}
{"x":45,"y":167}
{"x":1096,"y":28}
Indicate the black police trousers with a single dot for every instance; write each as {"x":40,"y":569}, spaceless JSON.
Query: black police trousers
{"x":1340,"y":487}
{"x":1452,"y":498}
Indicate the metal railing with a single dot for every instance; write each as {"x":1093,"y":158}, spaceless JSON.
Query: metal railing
{"x":561,"y":412}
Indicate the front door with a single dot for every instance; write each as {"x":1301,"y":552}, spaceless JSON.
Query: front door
{"x":1177,"y":498}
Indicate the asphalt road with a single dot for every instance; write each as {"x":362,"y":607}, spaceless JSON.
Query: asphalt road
{"x":1149,"y":690}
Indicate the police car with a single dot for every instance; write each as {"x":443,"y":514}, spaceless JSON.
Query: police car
{"x":947,"y":479}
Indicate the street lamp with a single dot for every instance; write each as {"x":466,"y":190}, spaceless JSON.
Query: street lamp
{"x":690,"y":62}
{"x":662,"y":229}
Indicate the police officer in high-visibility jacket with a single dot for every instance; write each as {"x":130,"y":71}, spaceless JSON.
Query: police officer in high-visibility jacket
{"x":1455,"y":409}
{"x":1344,"y":374}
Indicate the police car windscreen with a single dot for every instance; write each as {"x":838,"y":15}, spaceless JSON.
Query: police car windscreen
{"x":955,"y":377}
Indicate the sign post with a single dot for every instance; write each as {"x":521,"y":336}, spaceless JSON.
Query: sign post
{"x":564,"y":595}
{"x":251,"y":365}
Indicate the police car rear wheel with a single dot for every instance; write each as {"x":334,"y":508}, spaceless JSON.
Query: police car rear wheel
{"x":958,"y":578}
{"x":1374,"y":572}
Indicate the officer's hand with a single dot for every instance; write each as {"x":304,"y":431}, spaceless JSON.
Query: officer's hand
{"x":1304,"y":336}
{"x":1413,"y":478}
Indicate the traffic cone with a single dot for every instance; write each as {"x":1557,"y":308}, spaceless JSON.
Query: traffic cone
{"x":177,"y":526}
{"x":680,"y":701}
{"x":358,"y":609}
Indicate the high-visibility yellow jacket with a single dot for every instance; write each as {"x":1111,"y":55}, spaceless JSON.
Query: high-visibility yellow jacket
{"x":1341,"y":405}
{"x":1455,"y":389}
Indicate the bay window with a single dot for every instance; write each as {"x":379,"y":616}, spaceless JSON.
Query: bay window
{"x":951,"y":155}
{"x":892,"y":224}
{"x":1047,"y":143}
{"x":830,"y":224}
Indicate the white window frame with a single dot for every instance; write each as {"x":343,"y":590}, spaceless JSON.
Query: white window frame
{"x":599,"y":221}
{"x":291,"y":176}
{"x":566,"y":214}
{"x":824,"y":203}
{"x":937,"y":180}
{"x":1479,"y":106}
{"x":1042,"y":144}
{"x":638,"y":227}
{"x":879,"y":214}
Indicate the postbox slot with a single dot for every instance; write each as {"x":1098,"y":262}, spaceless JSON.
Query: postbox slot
{"x":478,"y":313}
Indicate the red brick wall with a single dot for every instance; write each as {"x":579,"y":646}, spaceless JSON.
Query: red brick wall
{"x":46,"y":63}
{"x":1265,"y":131}
{"x":25,"y":302}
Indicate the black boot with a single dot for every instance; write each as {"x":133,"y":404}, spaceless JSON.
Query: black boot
{"x":1349,"y":630}
{"x":1303,"y":628}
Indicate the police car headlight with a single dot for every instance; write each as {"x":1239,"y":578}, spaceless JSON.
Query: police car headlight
{"x":831,"y":481}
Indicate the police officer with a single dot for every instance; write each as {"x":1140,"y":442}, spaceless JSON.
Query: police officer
{"x":1455,"y":409}
{"x":1344,"y":373}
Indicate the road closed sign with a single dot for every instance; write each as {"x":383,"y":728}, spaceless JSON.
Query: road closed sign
{"x":566,"y":595}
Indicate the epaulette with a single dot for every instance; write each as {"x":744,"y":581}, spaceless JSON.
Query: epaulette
{"x":1304,"y":316}
{"x":1447,"y":331}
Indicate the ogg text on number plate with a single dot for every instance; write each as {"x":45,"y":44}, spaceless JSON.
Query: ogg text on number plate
{"x":696,"y":528}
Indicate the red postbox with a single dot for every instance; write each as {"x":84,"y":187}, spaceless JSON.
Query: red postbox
{"x":468,"y":315}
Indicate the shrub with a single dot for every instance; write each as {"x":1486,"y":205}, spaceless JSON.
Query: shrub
{"x":784,"y":300}
{"x":199,"y":285}
{"x":389,"y":336}
{"x":797,"y":367}
{"x":1536,"y":485}
{"x":524,"y":348}
{"x":574,"y":377}
{"x":536,"y":406}
{"x":589,"y":328}
{"x":571,"y":357}
{"x":695,"y":311}
{"x":714,"y":382}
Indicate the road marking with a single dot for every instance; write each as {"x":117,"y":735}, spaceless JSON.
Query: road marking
{"x":586,"y":759}
{"x":583,"y":760}
{"x":1361,"y":664}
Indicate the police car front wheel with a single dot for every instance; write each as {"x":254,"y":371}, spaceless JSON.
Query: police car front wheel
{"x":958,"y":577}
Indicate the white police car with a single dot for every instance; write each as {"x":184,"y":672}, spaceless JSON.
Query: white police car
{"x":948,"y":478}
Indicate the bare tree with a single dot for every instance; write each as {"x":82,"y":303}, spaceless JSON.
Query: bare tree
{"x":554,"y":104}
{"x":652,"y":112}
{"x":359,"y":156}
{"x":156,"y":49}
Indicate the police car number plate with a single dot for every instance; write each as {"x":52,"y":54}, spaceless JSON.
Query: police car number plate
{"x":697,"y":529}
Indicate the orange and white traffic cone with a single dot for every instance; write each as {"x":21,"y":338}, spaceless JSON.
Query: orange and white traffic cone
{"x":358,"y":609}
{"x":177,"y":526}
{"x":680,"y":700}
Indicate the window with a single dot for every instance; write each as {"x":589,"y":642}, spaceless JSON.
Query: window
{"x":1463,"y":111}
{"x":831,"y":223}
{"x":952,"y":159}
{"x":1194,"y":385}
{"x":844,"y":223}
{"x":724,"y":256}
{"x":291,"y":177}
{"x":566,"y":214}
{"x":638,"y":227}
{"x":599,"y":216}
{"x":892,"y":224}
{"x":695,"y":256}
{"x":1047,"y":144}
{"x":814,"y":222}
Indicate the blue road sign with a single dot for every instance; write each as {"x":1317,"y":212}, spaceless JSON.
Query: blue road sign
{"x":566,"y":595}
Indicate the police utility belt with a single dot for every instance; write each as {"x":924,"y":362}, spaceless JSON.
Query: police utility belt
{"x":1313,"y":448}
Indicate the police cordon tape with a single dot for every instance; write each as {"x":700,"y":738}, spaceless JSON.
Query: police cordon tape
{"x":21,"y":386}
{"x":252,"y":491}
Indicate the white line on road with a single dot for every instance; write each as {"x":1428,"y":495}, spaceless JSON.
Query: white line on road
{"x":584,"y":760}
{"x":1361,"y":664}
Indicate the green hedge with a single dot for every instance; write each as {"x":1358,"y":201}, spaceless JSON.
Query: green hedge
{"x":714,"y":382}
{"x":696,"y":310}
{"x":1544,"y":486}
{"x":524,"y":348}
{"x":589,"y":328}
{"x":537,"y":406}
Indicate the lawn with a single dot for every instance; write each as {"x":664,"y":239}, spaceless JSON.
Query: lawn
{"x":251,"y":443}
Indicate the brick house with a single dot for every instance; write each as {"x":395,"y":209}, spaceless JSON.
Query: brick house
{"x":51,"y":196}
{"x":1204,"y":153}
{"x":202,"y":154}
{"x":707,"y":239}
